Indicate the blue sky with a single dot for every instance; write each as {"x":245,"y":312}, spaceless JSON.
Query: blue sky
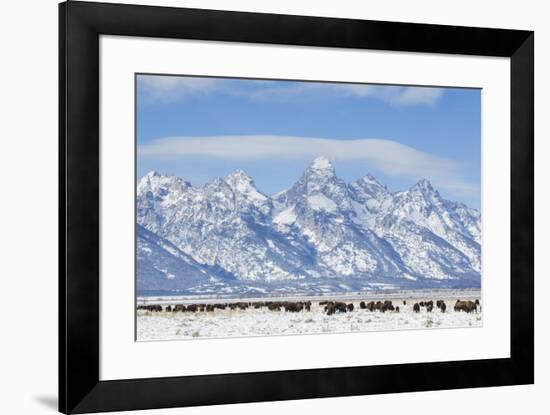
{"x":199,"y":128}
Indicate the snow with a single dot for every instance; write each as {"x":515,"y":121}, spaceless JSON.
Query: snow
{"x":243,"y":184}
{"x":262,"y":322}
{"x":285,"y":217}
{"x":321,"y":202}
{"x":321,"y":163}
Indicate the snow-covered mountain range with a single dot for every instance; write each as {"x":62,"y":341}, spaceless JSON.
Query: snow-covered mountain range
{"x":320,"y":235}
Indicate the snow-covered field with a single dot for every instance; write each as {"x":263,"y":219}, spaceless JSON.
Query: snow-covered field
{"x":263,"y":322}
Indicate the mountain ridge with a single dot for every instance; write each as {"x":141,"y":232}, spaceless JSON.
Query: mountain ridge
{"x":320,"y":234}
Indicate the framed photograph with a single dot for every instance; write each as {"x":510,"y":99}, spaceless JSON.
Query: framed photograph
{"x":260,"y":207}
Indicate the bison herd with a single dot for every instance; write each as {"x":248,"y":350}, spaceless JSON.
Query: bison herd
{"x":379,"y":306}
{"x":290,"y":306}
{"x":429,"y":305}
{"x":329,"y":307}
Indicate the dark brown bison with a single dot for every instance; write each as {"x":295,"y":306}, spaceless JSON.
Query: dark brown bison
{"x":397,"y":309}
{"x":335,"y":306}
{"x":362,"y":305}
{"x":341,"y":307}
{"x":429,"y":308}
{"x":416,"y":308}
{"x":443,"y":307}
{"x":350,"y":307}
{"x":294,"y":307}
{"x":466,"y":306}
{"x":242,"y":306}
{"x":274,"y":306}
{"x":387,"y":306}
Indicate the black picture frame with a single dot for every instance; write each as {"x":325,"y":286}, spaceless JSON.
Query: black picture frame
{"x":80,"y":26}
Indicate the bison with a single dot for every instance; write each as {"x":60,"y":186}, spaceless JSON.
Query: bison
{"x":274,"y":306}
{"x":333,"y":306}
{"x":416,"y":308}
{"x":341,"y":307}
{"x":294,"y":307}
{"x":467,"y":306}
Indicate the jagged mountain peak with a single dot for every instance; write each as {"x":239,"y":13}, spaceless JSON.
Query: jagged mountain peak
{"x":424,"y":186}
{"x":320,"y":167}
{"x":155,"y":177}
{"x":153,"y":173}
{"x":370,"y":183}
{"x":369,"y":195}
{"x":161,"y":185}
{"x":216,"y":185}
{"x":321,"y":163}
{"x":370,"y":179}
{"x":244,"y":188}
{"x":238,"y":175}
{"x":318,"y":189}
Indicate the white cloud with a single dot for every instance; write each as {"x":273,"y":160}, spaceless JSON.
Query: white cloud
{"x":176,"y":88}
{"x":397,"y":95}
{"x":390,"y":157}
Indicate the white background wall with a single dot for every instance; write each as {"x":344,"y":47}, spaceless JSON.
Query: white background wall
{"x":28,"y":203}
